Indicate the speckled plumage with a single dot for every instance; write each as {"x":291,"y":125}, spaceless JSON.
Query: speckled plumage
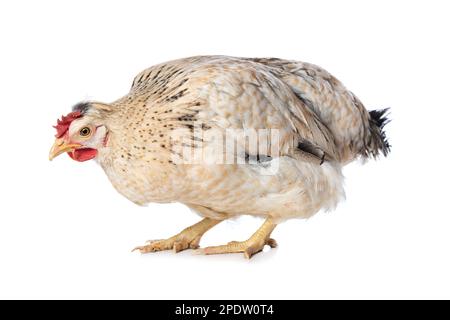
{"x":322,"y":127}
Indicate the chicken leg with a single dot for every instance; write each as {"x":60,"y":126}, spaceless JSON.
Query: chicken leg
{"x":189,"y":238}
{"x":250,"y":246}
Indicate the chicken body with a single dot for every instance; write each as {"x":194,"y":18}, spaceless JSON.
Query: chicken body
{"x":320,"y":125}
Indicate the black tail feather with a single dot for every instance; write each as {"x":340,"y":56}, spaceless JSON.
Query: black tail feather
{"x":378,"y":119}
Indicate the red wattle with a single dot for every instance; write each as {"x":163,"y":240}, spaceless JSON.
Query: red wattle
{"x":83,"y":154}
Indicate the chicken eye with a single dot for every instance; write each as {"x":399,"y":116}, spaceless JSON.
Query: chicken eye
{"x":85,"y":132}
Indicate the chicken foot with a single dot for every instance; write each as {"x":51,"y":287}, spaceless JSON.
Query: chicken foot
{"x":189,"y":238}
{"x":250,"y":246}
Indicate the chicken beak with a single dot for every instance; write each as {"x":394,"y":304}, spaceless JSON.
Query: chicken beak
{"x":60,"y":146}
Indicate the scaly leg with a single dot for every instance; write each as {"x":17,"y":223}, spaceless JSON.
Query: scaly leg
{"x":189,"y":238}
{"x":249,"y":247}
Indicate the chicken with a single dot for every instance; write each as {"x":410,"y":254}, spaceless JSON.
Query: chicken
{"x":227,"y":136}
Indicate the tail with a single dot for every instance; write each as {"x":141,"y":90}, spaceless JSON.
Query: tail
{"x":378,"y":140}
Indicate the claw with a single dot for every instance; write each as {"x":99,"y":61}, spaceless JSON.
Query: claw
{"x":140,"y":248}
{"x":248,"y":254}
{"x":179,"y":246}
{"x":272,"y":243}
{"x":195,"y":244}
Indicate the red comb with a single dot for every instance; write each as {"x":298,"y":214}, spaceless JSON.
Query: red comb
{"x":63,"y":124}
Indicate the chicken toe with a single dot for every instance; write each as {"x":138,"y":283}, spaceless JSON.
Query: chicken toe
{"x":248,"y":247}
{"x":189,"y":238}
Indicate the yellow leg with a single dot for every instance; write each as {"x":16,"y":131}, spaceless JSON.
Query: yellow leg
{"x":189,"y":238}
{"x":249,"y":247}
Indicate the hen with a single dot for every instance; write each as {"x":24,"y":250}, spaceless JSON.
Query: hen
{"x":227,"y":136}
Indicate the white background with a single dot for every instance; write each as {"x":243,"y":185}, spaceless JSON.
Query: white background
{"x":66,"y":233}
